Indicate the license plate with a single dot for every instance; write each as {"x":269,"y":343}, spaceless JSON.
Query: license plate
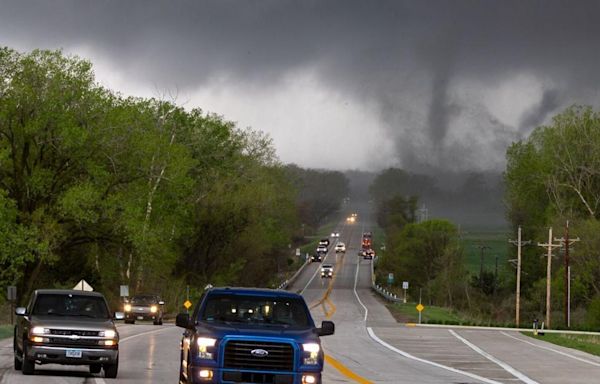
{"x":140,"y":317}
{"x":74,"y":353}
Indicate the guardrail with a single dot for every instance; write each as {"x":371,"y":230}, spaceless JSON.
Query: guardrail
{"x":389,"y":296}
{"x":287,"y":282}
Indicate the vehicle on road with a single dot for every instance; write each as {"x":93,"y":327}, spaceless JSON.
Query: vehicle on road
{"x":335,"y":234}
{"x":144,"y":307}
{"x":66,"y":327}
{"x":247,"y":335}
{"x":368,"y":254}
{"x":367,"y":240}
{"x":326,"y":270}
{"x":340,"y":247}
{"x":322,"y":249}
{"x":324,"y":242}
{"x":318,"y":256}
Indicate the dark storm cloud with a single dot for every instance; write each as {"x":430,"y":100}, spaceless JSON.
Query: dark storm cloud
{"x":411,"y":59}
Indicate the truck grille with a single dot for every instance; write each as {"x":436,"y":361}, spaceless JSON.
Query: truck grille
{"x":238,"y":355}
{"x":70,"y":332}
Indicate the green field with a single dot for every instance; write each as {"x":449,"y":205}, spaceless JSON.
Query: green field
{"x":6,"y":331}
{"x":585,"y":343}
{"x":496,"y":240}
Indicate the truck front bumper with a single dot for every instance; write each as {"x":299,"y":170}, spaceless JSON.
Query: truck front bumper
{"x":58,"y":355}
{"x":202,"y":375}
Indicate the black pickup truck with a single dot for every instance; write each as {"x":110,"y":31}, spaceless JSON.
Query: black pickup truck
{"x":66,"y":327}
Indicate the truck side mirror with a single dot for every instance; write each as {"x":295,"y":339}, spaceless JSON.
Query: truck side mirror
{"x":119,"y":315}
{"x":183,"y":320}
{"x":327,"y":328}
{"x":20,"y":311}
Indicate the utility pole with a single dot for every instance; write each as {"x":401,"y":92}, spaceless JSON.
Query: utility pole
{"x":482,"y":248}
{"x":549,"y":246}
{"x":567,"y":242}
{"x":519,"y":245}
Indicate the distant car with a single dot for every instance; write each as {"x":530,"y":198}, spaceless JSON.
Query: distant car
{"x":317,"y":256}
{"x":324,"y":242}
{"x":335,"y":234}
{"x":144,"y":307}
{"x":322,"y":249}
{"x":369,"y":254}
{"x":326,"y":270}
{"x":340,"y":247}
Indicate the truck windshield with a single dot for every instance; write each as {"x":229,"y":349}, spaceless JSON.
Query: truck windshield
{"x":143,"y":300}
{"x":70,"y":305}
{"x":255,"y":310}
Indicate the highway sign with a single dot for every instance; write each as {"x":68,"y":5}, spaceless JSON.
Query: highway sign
{"x":124,"y":290}
{"x":390,"y":278}
{"x":420,"y":307}
{"x":405,"y":285}
{"x":11,"y":293}
{"x":187,"y":304}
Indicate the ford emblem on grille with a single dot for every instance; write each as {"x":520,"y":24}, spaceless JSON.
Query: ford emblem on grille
{"x":259,"y":352}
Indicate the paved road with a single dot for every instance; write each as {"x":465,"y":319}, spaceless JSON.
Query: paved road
{"x":377,"y":350}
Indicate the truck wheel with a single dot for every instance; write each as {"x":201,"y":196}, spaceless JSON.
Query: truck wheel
{"x":95,"y":368}
{"x":18,"y":363}
{"x":28,"y":366}
{"x":111,"y":370}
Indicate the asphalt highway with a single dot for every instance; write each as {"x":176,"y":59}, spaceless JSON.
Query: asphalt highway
{"x":369,"y":346}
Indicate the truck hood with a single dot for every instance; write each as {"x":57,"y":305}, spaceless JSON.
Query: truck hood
{"x":304,"y":335}
{"x":72,"y":322}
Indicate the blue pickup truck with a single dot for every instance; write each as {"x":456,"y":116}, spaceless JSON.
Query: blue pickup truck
{"x":244,"y":335}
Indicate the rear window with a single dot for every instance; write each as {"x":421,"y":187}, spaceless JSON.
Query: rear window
{"x":70,"y":305}
{"x":285,"y":312}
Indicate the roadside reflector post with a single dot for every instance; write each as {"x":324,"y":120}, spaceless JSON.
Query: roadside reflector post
{"x":535,"y":327}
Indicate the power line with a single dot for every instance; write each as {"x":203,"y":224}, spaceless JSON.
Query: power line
{"x":519,"y":243}
{"x":549,"y":255}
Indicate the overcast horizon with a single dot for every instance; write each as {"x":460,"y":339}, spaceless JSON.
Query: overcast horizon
{"x":426,"y":86}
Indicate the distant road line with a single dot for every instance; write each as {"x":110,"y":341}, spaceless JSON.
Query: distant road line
{"x":346,"y":371}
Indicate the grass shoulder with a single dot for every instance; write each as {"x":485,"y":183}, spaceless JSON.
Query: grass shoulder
{"x":585,"y":343}
{"x":6,"y":330}
{"x":407,"y":313}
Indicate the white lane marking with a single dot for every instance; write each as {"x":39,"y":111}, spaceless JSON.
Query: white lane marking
{"x":356,"y":293}
{"x":100,"y":380}
{"x":317,"y":270}
{"x":501,"y":363}
{"x":553,"y":350}
{"x":164,"y":328}
{"x":408,"y":355}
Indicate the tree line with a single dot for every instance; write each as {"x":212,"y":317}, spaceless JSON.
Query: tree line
{"x":139,"y":191}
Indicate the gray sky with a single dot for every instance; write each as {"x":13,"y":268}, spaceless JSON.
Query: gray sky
{"x":425,"y":85}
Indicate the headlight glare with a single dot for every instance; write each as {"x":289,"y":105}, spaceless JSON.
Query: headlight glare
{"x":203,"y":344}
{"x":39,"y":331}
{"x":311,"y":353}
{"x":153,"y":309}
{"x":127,"y":307}
{"x":108,"y":334}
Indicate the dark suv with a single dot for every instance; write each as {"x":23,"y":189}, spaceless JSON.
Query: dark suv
{"x":66,"y":327}
{"x":144,"y":307}
{"x":243,"y":335}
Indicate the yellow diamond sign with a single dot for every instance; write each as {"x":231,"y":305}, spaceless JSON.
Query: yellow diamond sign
{"x":420,"y":307}
{"x":187,"y":304}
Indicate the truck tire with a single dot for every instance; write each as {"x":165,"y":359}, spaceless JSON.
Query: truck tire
{"x":28,"y":366}
{"x":18,"y":363}
{"x":111,"y":370}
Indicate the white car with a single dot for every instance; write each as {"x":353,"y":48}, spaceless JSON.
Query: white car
{"x":335,"y":234}
{"x":340,"y":247}
{"x":322,"y":249}
{"x":327,"y":270}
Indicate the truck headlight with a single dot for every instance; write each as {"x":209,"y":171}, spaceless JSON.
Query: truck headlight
{"x":127,"y":307}
{"x":110,"y":334}
{"x":203,"y":344}
{"x":39,"y":331}
{"x":153,"y":309}
{"x":311,"y":353}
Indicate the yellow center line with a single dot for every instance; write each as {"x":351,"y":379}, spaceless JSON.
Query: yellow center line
{"x":346,"y":371}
